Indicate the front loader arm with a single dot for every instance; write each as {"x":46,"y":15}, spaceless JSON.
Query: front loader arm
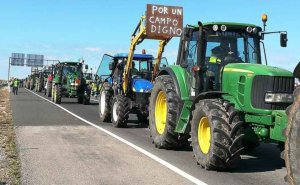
{"x":161,"y":47}
{"x":136,"y":39}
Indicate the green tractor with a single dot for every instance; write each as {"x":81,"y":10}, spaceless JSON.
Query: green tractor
{"x":220,"y":94}
{"x":68,"y":81}
{"x":48,"y":77}
{"x":292,"y":144}
{"x":32,"y":80}
{"x":39,"y":81}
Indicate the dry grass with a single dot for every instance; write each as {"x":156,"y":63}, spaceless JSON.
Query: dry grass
{"x":9,"y":160}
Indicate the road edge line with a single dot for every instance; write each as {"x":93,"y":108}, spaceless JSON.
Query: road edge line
{"x":141,"y":150}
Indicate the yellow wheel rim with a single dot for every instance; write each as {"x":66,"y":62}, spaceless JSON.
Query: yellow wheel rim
{"x":161,"y":112}
{"x":204,"y":135}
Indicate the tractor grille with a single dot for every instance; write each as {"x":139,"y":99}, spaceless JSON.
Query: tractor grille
{"x":263,"y":84}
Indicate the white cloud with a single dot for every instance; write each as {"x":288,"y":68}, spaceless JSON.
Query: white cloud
{"x":92,"y":49}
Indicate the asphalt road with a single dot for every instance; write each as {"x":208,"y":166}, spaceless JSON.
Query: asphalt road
{"x":71,"y":151}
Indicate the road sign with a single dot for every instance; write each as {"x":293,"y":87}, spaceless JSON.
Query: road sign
{"x":35,"y":60}
{"x":164,"y":21}
{"x":17,"y":59}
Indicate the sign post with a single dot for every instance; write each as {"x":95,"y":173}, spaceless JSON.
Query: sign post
{"x":164,"y":21}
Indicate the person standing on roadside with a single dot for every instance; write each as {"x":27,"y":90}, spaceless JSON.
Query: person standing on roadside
{"x":15,"y":86}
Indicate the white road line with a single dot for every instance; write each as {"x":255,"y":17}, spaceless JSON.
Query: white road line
{"x":152,"y":156}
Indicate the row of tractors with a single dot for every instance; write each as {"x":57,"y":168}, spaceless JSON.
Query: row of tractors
{"x":64,"y":79}
{"x":220,"y":97}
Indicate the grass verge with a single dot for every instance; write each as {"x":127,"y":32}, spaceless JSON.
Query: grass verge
{"x":9,"y":160}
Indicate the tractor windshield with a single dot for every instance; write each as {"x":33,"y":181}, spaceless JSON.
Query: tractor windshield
{"x":142,"y":67}
{"x":222,"y":48}
{"x":232,"y":47}
{"x":225,"y":47}
{"x":88,"y":76}
{"x":71,"y":69}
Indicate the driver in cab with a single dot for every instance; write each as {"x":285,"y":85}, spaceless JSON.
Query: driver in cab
{"x":220,"y":52}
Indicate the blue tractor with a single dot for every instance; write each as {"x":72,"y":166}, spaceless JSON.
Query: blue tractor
{"x":115,"y":104}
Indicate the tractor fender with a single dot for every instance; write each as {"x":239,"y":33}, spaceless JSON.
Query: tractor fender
{"x":177,"y":74}
{"x":297,"y":71}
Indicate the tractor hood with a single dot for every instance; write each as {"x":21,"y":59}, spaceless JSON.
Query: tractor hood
{"x":141,"y":85}
{"x":257,"y":69}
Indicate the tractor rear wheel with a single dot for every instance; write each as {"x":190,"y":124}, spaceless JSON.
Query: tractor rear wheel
{"x":57,"y":94}
{"x":49,"y":89}
{"x":86,"y":96}
{"x":79,"y":99}
{"x":163,"y":113}
{"x":120,"y":111}
{"x":292,"y":144}
{"x":31,"y":85}
{"x":216,"y":130}
{"x":40,"y":86}
{"x":36,"y":87}
{"x":142,"y":118}
{"x":86,"y":100}
{"x":105,"y":104}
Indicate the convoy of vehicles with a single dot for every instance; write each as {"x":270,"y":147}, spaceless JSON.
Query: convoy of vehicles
{"x":219,"y":93}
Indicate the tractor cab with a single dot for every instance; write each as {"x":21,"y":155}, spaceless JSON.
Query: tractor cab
{"x":112,"y":67}
{"x":221,"y":44}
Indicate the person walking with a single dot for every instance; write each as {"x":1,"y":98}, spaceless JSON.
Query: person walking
{"x":15,"y":86}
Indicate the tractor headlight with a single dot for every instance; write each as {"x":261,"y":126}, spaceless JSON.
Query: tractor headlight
{"x":279,"y":98}
{"x":223,"y":28}
{"x":215,"y":27}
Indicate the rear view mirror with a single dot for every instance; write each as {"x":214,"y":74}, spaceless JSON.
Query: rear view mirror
{"x":297,"y":71}
{"x":111,"y":66}
{"x":283,"y":39}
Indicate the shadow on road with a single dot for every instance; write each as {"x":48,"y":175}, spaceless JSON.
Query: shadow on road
{"x":264,"y":158}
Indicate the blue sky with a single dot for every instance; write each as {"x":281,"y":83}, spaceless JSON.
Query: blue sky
{"x":71,"y":29}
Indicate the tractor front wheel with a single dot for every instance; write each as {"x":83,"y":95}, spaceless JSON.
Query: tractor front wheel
{"x":105,"y":104}
{"x":216,"y":130}
{"x":292,"y":144}
{"x":120,"y":111}
{"x":163,"y":113}
{"x":57,"y":94}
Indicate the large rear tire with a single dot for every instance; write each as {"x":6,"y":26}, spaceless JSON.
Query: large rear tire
{"x":292,"y":144}
{"x":57,"y":94}
{"x":216,"y":130}
{"x":31,"y":85}
{"x":86,"y":96}
{"x":163,"y":113}
{"x":49,"y":89}
{"x":105,"y":104}
{"x":40,"y":87}
{"x":120,"y":111}
{"x":142,"y":118}
{"x":79,"y":99}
